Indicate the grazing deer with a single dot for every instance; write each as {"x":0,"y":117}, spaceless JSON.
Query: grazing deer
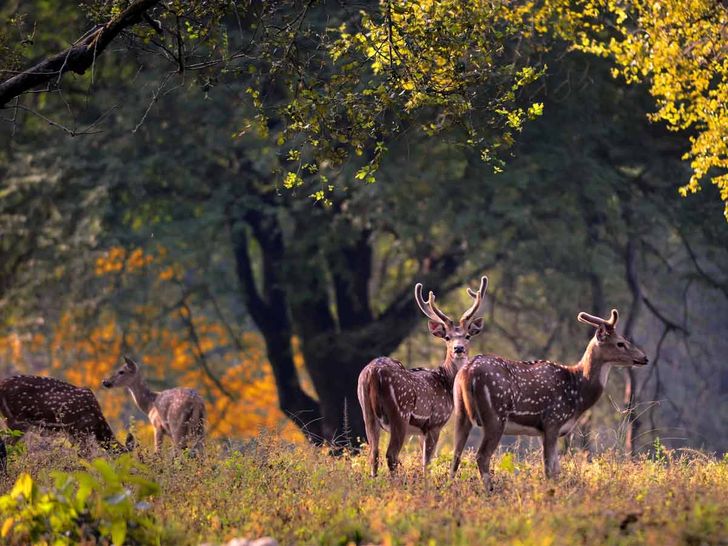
{"x":535,"y":398}
{"x":51,"y":405}
{"x":178,"y":412}
{"x":404,"y":401}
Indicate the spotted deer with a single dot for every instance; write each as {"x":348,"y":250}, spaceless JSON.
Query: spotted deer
{"x":45,"y":404}
{"x":536,"y":398}
{"x":408,"y":401}
{"x":178,"y":412}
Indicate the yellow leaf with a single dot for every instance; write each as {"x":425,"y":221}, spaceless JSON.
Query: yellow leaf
{"x":7,"y":525}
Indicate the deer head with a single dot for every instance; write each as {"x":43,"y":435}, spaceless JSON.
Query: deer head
{"x":609,"y":346}
{"x":124,"y":376}
{"x":456,"y":335}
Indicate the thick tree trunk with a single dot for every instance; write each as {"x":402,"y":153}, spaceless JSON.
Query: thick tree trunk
{"x":316,"y":287}
{"x":271,"y":316}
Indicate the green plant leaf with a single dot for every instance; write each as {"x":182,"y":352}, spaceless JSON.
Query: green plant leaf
{"x":118,"y":531}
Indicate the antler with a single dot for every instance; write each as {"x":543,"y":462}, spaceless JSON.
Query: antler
{"x":586,"y":318}
{"x":429,"y":308}
{"x":479,"y":297}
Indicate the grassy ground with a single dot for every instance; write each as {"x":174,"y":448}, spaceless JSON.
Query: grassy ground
{"x":300,"y":495}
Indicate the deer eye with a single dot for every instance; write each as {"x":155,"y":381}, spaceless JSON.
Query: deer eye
{"x":447,"y":338}
{"x":121,"y":372}
{"x":467,"y":336}
{"x":620,"y":345}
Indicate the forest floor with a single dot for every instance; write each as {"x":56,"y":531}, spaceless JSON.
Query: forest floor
{"x":301,"y":495}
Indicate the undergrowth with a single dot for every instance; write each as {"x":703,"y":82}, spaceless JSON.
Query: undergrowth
{"x":301,"y":495}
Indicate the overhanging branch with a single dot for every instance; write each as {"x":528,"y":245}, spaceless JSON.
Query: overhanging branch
{"x":78,"y":58}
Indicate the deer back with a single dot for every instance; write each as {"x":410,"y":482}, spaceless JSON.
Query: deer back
{"x":179,"y":405}
{"x":528,"y":394}
{"x":422,"y":397}
{"x":52,"y":404}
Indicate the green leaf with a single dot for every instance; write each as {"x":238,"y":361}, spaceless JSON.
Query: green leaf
{"x":118,"y":532}
{"x":506,"y":463}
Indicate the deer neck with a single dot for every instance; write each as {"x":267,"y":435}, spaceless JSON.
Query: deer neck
{"x":143,"y":396}
{"x":450,"y":367}
{"x":593,"y":371}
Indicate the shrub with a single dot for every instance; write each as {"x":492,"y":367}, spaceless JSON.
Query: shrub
{"x":104,"y":504}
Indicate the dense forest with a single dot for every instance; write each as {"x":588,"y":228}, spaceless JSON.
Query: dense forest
{"x":242,"y":195}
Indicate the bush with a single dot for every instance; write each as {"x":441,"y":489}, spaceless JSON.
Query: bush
{"x":104,"y":504}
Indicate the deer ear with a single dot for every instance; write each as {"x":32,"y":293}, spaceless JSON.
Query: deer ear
{"x":437,"y":329}
{"x":476,"y":326}
{"x":602,"y":334}
{"x":133,"y":366}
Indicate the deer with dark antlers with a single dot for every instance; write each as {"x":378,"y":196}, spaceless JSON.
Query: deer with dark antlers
{"x":408,"y":401}
{"x":45,"y":404}
{"x":535,"y":398}
{"x":178,"y":413}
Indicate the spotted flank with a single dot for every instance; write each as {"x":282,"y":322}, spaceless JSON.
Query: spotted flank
{"x":45,"y":404}
{"x":535,"y":397}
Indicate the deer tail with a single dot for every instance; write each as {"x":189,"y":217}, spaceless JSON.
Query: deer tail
{"x":197,"y":424}
{"x":367,"y":392}
{"x":466,"y":399}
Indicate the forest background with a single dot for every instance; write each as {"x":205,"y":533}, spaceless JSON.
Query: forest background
{"x":242,"y":195}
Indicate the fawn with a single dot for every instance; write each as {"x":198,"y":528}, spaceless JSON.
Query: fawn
{"x":178,"y":412}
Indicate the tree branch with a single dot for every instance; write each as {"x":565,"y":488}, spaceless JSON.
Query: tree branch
{"x":78,"y":58}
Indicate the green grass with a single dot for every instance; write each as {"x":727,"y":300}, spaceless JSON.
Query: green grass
{"x":300,"y":495}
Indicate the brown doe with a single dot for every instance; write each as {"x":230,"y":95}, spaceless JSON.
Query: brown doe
{"x":45,"y":404}
{"x":535,"y":398}
{"x":178,"y":412}
{"x":418,"y":400}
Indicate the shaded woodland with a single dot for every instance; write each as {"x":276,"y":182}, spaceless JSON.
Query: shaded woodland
{"x":172,"y":202}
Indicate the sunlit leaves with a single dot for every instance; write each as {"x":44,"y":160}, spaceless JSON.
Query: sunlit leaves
{"x":679,"y":48}
{"x":439,"y":66}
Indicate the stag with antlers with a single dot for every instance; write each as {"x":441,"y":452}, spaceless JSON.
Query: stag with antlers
{"x":403,"y":401}
{"x":536,"y":398}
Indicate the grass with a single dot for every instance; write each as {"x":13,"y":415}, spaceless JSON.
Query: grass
{"x":300,"y":495}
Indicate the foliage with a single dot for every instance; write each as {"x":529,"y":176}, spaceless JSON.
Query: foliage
{"x":164,"y":236}
{"x":677,"y":47}
{"x":301,"y":495}
{"x":333,"y":86}
{"x":432,"y":65}
{"x":107,"y":503}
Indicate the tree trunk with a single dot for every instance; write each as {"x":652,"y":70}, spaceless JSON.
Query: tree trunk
{"x":630,"y":379}
{"x":316,"y":287}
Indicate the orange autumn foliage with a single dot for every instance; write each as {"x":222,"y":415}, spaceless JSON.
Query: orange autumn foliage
{"x":233,"y":375}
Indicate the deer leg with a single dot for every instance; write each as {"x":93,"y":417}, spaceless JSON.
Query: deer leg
{"x":551,"y":454}
{"x":463,"y":426}
{"x":428,"y":447}
{"x":398,"y":433}
{"x":158,"y":439}
{"x":492,"y":432}
{"x":373,"y":432}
